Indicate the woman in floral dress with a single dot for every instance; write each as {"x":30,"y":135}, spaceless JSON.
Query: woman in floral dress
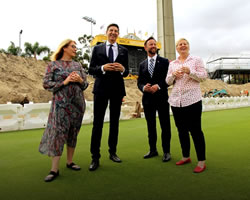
{"x":67,"y":80}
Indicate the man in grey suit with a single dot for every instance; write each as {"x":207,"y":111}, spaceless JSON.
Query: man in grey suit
{"x":109,"y":64}
{"x":151,"y":81}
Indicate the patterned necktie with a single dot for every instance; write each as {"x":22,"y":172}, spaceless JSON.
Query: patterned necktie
{"x":151,"y":67}
{"x":111,"y":54}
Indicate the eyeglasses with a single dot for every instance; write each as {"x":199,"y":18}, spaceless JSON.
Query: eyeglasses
{"x":73,"y":46}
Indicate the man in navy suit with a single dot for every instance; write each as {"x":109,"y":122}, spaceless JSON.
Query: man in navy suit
{"x":109,"y":64}
{"x":151,"y":81}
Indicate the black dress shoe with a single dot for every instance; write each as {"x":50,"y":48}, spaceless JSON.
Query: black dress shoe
{"x":166,"y":157}
{"x":115,"y":158}
{"x":151,"y":154}
{"x":94,"y":165}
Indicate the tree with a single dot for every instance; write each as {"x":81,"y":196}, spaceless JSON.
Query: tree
{"x":47,"y":58}
{"x":35,"y":50}
{"x":83,"y":54}
{"x":12,"y":49}
{"x":3,"y":51}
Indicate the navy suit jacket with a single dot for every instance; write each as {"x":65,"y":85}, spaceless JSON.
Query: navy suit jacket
{"x":159,"y":76}
{"x":110,"y":83}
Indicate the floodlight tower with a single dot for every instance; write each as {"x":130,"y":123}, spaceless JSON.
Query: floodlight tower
{"x":91,"y":20}
{"x":165,"y":28}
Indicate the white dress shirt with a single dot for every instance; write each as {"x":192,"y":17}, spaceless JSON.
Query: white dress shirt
{"x":114,"y":47}
{"x":149,"y":58}
{"x":115,"y":53}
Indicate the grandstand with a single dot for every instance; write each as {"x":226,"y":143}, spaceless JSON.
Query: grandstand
{"x":135,"y":46}
{"x":231,"y":69}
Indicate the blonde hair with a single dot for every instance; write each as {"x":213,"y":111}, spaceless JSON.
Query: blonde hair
{"x":57,"y":55}
{"x":178,"y":41}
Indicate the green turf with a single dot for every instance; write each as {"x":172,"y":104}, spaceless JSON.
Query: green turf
{"x":227,"y":133}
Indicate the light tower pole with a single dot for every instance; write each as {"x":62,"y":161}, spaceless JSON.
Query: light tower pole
{"x":92,"y":21}
{"x":20,"y":33}
{"x":165,"y":28}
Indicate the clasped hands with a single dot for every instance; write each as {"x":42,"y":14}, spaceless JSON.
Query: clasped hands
{"x":151,"y":88}
{"x":113,"y":67}
{"x":73,"y":77}
{"x":180,"y":72}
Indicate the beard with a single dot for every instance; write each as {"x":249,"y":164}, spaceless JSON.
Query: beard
{"x":152,"y":51}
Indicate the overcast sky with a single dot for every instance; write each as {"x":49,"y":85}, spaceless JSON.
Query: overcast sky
{"x":214,"y":28}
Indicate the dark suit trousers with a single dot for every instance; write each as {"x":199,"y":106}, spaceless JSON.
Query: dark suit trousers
{"x":164,"y":118}
{"x":188,"y":119}
{"x":100,"y":105}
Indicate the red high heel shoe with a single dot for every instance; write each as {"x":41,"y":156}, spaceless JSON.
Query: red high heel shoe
{"x":182,"y":162}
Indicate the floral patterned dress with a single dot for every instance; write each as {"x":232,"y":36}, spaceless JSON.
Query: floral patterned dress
{"x":67,"y":108}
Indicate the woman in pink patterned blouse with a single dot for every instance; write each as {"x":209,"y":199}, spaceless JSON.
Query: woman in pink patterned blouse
{"x":185,"y":74}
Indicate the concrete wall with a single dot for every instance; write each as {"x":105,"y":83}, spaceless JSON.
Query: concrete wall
{"x":31,"y":116}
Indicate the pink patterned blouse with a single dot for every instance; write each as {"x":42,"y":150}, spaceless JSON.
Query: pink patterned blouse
{"x":186,"y":90}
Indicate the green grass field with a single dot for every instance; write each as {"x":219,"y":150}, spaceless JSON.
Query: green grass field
{"x":227,"y":133}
